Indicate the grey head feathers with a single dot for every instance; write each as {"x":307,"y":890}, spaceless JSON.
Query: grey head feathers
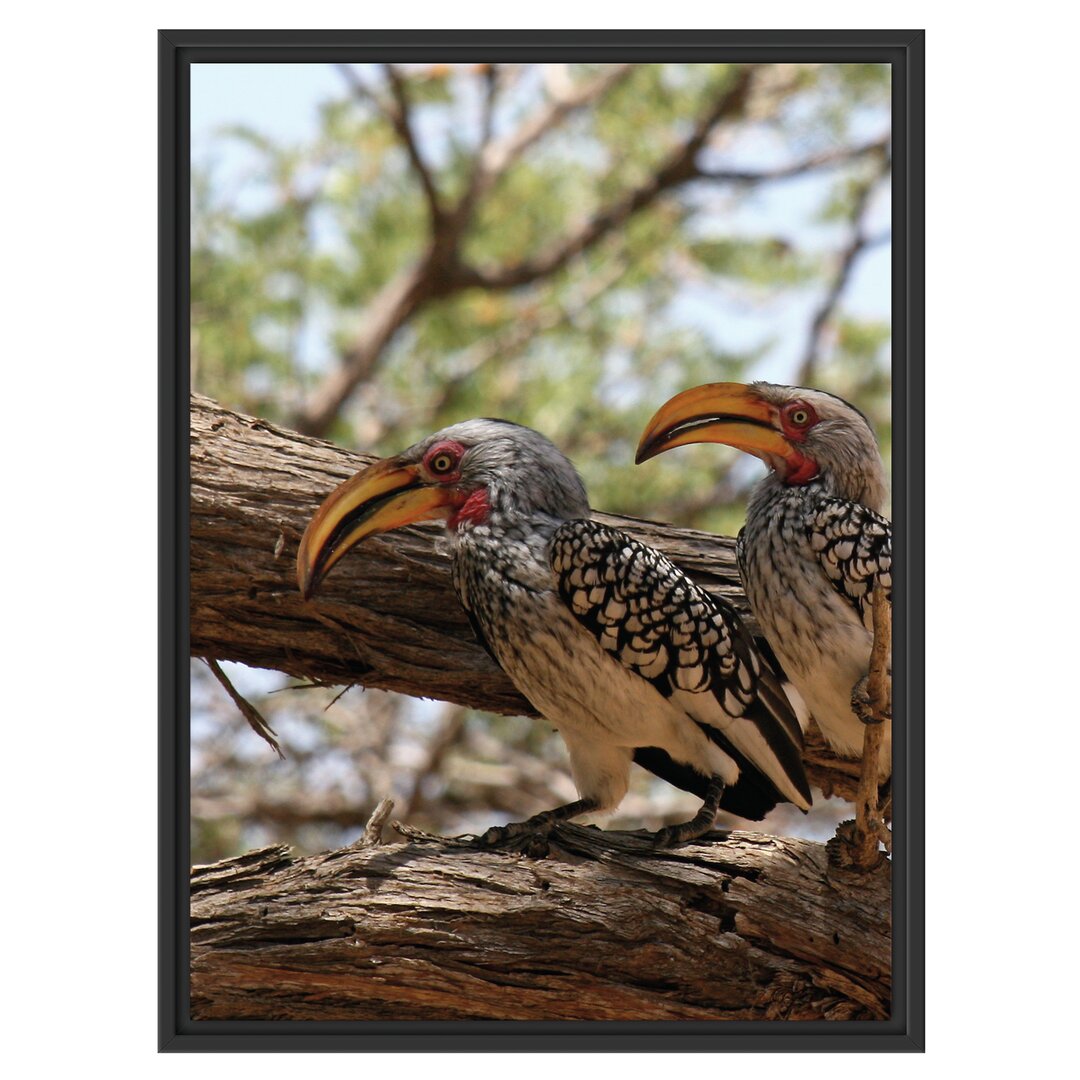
{"x":524,"y":472}
{"x":842,"y":443}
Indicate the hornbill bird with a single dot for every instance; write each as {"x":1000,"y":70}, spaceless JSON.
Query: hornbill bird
{"x":814,"y":546}
{"x":624,"y":654}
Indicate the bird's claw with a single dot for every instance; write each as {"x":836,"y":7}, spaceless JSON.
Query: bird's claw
{"x":860,"y":702}
{"x":497,"y":834}
{"x":673,"y":835}
{"x":528,"y":837}
{"x":667,"y":837}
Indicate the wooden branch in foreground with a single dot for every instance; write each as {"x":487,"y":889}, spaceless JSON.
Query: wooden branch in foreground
{"x":751,"y":928}
{"x":387,"y":617}
{"x":869,"y":827}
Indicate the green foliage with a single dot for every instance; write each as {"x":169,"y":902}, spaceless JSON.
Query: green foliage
{"x":298,"y":254}
{"x":769,"y":261}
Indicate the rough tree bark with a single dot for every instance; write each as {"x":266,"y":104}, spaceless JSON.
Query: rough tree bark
{"x":754,"y":928}
{"x":757,"y":927}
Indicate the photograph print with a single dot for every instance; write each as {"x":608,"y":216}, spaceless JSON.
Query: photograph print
{"x":540,"y":558}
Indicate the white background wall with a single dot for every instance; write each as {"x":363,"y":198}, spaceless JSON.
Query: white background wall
{"x":79,"y":545}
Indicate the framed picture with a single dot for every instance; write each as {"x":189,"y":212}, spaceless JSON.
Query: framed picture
{"x":475,"y":733}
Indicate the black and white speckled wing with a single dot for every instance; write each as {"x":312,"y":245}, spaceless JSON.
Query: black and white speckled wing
{"x":689,"y":645}
{"x":854,"y":547}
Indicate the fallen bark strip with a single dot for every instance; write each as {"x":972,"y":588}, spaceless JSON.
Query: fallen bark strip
{"x":755,"y":927}
{"x":387,"y":617}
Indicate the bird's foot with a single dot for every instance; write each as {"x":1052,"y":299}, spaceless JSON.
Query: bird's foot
{"x":860,"y":702}
{"x":673,"y":835}
{"x":531,"y":835}
{"x":852,"y":848}
{"x":502,"y":835}
{"x":861,"y":705}
{"x":701,"y":823}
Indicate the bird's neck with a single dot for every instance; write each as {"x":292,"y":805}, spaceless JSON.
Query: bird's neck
{"x":867,"y":488}
{"x":484,"y":518}
{"x":475,"y":510}
{"x":499,"y":509}
{"x":507,"y":551}
{"x":772,"y":496}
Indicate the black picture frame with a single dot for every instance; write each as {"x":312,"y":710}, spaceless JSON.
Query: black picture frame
{"x":904,"y":50}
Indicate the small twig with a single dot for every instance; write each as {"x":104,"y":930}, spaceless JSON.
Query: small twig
{"x":869,"y":827}
{"x":249,"y":712}
{"x":338,"y":696}
{"x":401,"y":119}
{"x":879,"y":685}
{"x":420,"y":837}
{"x":858,"y":243}
{"x":498,"y":155}
{"x":826,"y":160}
{"x":372,"y":835}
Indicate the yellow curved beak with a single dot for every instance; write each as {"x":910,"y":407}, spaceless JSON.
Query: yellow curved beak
{"x":730,"y":413}
{"x":384,"y":496}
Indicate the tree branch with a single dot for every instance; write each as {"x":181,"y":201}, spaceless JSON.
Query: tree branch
{"x":858,"y":843}
{"x":401,"y":118}
{"x":858,"y":243}
{"x":387,"y":617}
{"x":499,"y":155}
{"x":434,"y":273}
{"x":387,"y":312}
{"x":247,"y":710}
{"x":362,"y":92}
{"x":752,"y":928}
{"x":826,"y":160}
{"x":493,"y":81}
{"x":678,"y":168}
{"x":397,"y":114}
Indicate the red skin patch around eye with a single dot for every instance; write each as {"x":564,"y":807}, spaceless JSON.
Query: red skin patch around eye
{"x":474,"y":510}
{"x":800,"y":469}
{"x":455,"y":450}
{"x":797,"y":432}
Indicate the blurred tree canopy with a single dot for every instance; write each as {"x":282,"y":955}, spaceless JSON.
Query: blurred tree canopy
{"x":525,"y":242}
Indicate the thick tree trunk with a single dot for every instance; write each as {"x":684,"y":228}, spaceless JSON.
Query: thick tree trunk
{"x":387,"y":616}
{"x":749,"y":928}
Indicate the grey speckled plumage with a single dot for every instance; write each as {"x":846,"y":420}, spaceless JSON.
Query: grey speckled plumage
{"x":609,"y":641}
{"x":812,"y":553}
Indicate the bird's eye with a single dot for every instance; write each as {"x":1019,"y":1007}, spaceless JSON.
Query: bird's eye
{"x":443,"y":459}
{"x":800,"y":415}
